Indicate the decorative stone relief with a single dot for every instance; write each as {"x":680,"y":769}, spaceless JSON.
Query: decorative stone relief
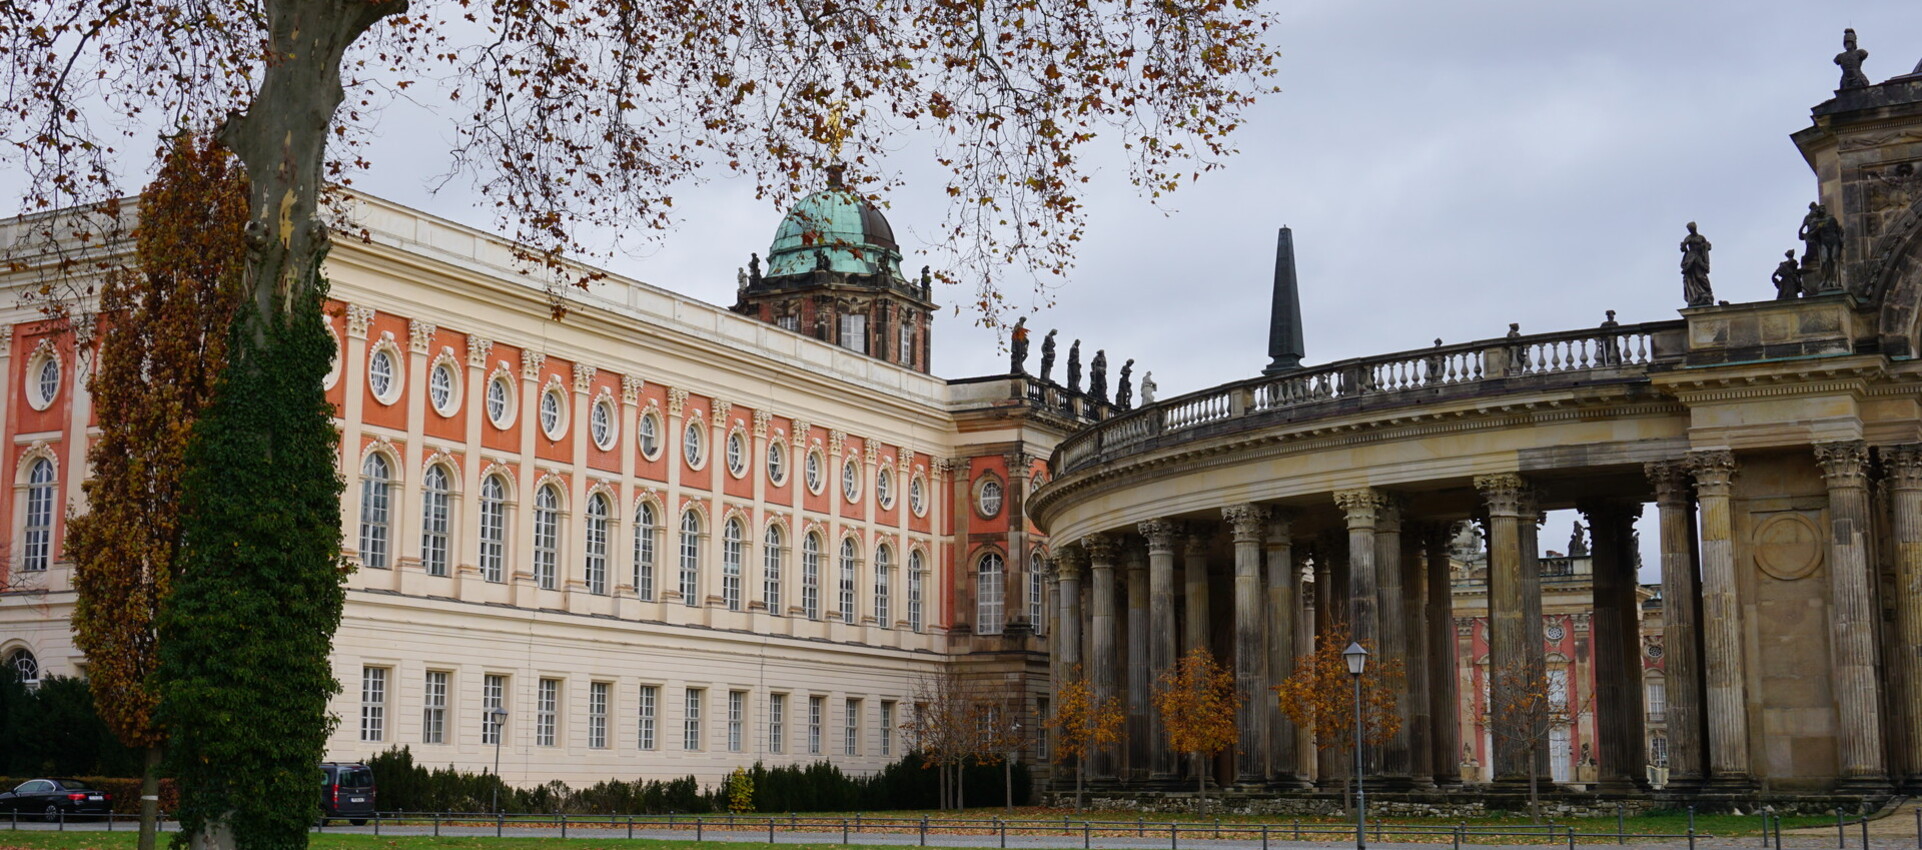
{"x":837,"y":442}
{"x":1787,"y":546}
{"x":676,"y":401}
{"x":721,"y":410}
{"x":801,"y":433}
{"x":531,"y":362}
{"x":358,"y":318}
{"x":583,"y":378}
{"x":870,"y":451}
{"x":420,"y":336}
{"x":478,"y":348}
{"x":761,"y":419}
{"x":631,"y":389}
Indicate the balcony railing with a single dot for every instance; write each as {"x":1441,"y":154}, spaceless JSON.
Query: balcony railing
{"x":1620,"y":354}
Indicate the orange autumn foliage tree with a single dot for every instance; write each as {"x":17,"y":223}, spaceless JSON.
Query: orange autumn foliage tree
{"x":163,"y":345}
{"x":1198,"y":702}
{"x":1320,"y":695}
{"x":1083,"y":725}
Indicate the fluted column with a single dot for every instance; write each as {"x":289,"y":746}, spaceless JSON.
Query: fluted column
{"x":1105,"y":673}
{"x":1419,"y":714}
{"x":1332,"y":767}
{"x":1508,"y":635}
{"x":1681,"y":645}
{"x":1728,"y":756}
{"x":1245,"y":526}
{"x":1903,"y":465}
{"x":1283,"y":620}
{"x":1362,"y":508}
{"x":1617,"y":646}
{"x":1069,"y":561}
{"x":1194,"y":578}
{"x":1536,"y":652}
{"x":1161,"y":536}
{"x":1853,"y":616}
{"x":1135,"y":561}
{"x":1444,"y":691}
{"x":1391,"y":606}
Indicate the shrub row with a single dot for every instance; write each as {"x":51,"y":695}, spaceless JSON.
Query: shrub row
{"x":404,"y":785}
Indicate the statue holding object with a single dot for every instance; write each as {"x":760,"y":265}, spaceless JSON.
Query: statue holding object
{"x":1821,"y":235}
{"x":1047,"y":355}
{"x":1098,"y":377}
{"x":1695,"y":287}
{"x":1074,"y":367}
{"x":1787,"y":278}
{"x":1124,"y":394}
{"x":1018,"y":347}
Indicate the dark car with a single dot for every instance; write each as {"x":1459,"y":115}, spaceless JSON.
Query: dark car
{"x":53,"y":798}
{"x":346,"y":791}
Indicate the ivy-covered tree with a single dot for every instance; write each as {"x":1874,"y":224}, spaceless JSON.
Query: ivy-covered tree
{"x":568,"y":114}
{"x":162,"y":346}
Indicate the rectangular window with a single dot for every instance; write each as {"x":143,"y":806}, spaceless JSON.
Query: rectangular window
{"x":373,"y":703}
{"x":777,"y":723}
{"x":907,"y":346}
{"x":597,"y":714}
{"x":884,"y":596}
{"x":691,"y":721}
{"x":854,"y":332}
{"x":1558,"y":690}
{"x":1657,"y":699}
{"x":547,"y":712}
{"x":817,"y":706}
{"x":493,"y":696}
{"x":736,"y":715}
{"x":788,"y":323}
{"x":887,"y":728}
{"x":1041,"y":710}
{"x":851,"y":728}
{"x":433,"y":708}
{"x":433,"y":530}
{"x":649,"y":696}
{"x":1036,"y":593}
{"x":493,"y":531}
{"x":915,"y":583}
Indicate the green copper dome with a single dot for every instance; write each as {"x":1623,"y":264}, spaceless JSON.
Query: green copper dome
{"x":839,"y":225}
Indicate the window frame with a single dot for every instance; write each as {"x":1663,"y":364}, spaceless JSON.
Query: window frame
{"x":554,"y":426}
{"x":436,"y":512}
{"x":599,"y":695}
{"x":594,"y":542}
{"x":443,"y":396}
{"x":773,"y":544}
{"x":499,"y":406}
{"x":547,"y":537}
{"x":690,"y":561}
{"x":433,"y":706}
{"x":691,"y":738}
{"x":373,"y":703}
{"x":491,"y":552}
{"x":733,"y":557}
{"x":647,"y":548}
{"x":376,"y":511}
{"x":990,"y":609}
{"x":43,"y":484}
{"x":385,"y":385}
{"x":603,"y":424}
{"x":547,"y":710}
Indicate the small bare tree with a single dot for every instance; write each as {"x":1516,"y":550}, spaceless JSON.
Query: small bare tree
{"x":1523,"y":709}
{"x":946,"y":726}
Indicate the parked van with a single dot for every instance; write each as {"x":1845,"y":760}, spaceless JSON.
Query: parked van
{"x":346,"y":792}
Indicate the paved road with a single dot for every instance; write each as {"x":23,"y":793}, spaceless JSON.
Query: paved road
{"x":1280,"y":837}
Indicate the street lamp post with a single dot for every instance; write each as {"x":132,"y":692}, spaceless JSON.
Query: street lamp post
{"x":499,"y":716}
{"x":1357,"y":659}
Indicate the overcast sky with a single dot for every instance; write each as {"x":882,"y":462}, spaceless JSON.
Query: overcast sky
{"x":1447,"y":168}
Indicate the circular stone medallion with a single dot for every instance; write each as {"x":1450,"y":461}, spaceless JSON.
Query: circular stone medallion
{"x":1788,"y":547}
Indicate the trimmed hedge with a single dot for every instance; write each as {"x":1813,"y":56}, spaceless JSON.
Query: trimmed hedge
{"x":819,"y":787}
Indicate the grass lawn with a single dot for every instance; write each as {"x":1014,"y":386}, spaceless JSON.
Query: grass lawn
{"x":118,"y":840}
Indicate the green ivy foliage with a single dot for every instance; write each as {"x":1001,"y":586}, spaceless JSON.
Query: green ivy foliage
{"x":244,"y":673}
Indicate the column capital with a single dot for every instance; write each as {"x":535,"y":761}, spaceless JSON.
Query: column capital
{"x":531,"y":363}
{"x":1069,"y":562}
{"x":1281,"y":524}
{"x":584,"y":378}
{"x":1197,"y":540}
{"x":1845,"y":463}
{"x":1714,"y":471}
{"x":676,"y":401}
{"x":1504,"y":493}
{"x":358,"y":320}
{"x":1161,"y":534}
{"x":1903,"y":465}
{"x":1245,"y":522}
{"x":1608,"y":507}
{"x":1672,"y":481}
{"x":1101,"y":549}
{"x":631,"y":389}
{"x":1363,"y":506}
{"x":420,"y":336}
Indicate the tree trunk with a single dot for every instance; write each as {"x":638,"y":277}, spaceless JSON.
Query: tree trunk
{"x":1201,"y":780}
{"x":1078,"y":775}
{"x":960,"y":786}
{"x":1534,"y":799}
{"x":149,"y":798}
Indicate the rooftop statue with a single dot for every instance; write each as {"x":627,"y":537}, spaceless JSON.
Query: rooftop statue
{"x":754,"y":268}
{"x":740,"y":279}
{"x":1611,"y":347}
{"x":1821,"y":233}
{"x":1577,"y":546}
{"x":1787,"y":278}
{"x":1047,"y":355}
{"x":1074,"y":367}
{"x":1695,"y":288}
{"x":1850,"y":60}
{"x":1098,"y":377}
{"x":1148,"y":388}
{"x":1124,"y":395}
{"x":1018,"y":347}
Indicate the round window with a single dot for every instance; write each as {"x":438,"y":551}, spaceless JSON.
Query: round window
{"x":851,"y":480}
{"x":776,"y":463}
{"x":1654,"y":650}
{"x":46,"y":381}
{"x":1554,"y":632}
{"x":552,"y":419}
{"x":884,"y":488}
{"x":500,"y":401}
{"x":649,"y":431}
{"x":600,"y":424}
{"x":440,"y":388}
{"x":736,"y":454}
{"x":380,"y":376}
{"x":918,"y":495}
{"x":691,"y":443}
{"x":989,"y":498}
{"x":813,"y":471}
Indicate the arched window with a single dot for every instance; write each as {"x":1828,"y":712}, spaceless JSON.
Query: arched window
{"x":647,"y":535}
{"x":731,"y":545}
{"x":690,"y":558}
{"x":376,"y":488}
{"x":990,"y":592}
{"x":37,"y":539}
{"x":811,"y":576}
{"x":883,"y":586}
{"x":1037,"y":594}
{"x":771,"y":569}
{"x":493,"y":529}
{"x":547,"y":536}
{"x":915,"y":590}
{"x":25,"y":666}
{"x":848,"y":553}
{"x":594,"y":560}
{"x":434,"y":501}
